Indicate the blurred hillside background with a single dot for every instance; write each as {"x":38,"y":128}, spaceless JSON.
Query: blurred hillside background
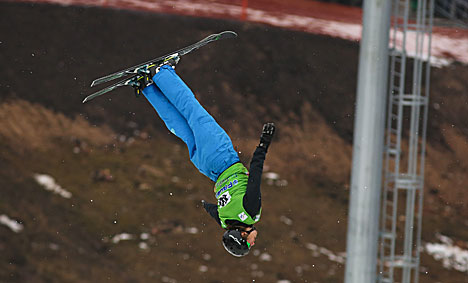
{"x":102,"y":192}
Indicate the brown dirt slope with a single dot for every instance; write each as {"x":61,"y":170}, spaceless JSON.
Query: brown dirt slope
{"x":305,"y":83}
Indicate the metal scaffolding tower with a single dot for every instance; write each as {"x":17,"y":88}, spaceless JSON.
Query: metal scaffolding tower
{"x":455,"y":10}
{"x":401,"y":214}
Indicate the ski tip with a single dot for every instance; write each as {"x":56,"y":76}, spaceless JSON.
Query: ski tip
{"x":84,"y":100}
{"x":227,"y":34}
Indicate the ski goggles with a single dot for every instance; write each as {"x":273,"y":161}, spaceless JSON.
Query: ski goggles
{"x":251,"y":230}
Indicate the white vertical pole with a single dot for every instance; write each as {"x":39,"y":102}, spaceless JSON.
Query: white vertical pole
{"x":369,"y":129}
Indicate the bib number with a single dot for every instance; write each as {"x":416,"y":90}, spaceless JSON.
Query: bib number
{"x":224,"y":199}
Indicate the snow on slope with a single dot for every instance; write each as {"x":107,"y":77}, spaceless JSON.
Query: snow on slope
{"x":49,"y":184}
{"x":14,"y":225}
{"x":452,"y":256}
{"x":448,"y":45}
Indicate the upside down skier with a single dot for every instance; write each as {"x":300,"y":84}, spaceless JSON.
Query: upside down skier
{"x":210,"y":149}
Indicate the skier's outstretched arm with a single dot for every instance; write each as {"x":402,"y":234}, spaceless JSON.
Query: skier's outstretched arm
{"x":253,"y":199}
{"x":212,"y":209}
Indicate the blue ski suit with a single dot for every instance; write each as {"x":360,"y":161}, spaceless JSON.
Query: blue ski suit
{"x":210,"y":148}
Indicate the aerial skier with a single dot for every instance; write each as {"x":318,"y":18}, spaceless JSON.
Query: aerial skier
{"x":210,"y":149}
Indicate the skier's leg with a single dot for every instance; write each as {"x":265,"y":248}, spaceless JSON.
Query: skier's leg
{"x":215,"y":152}
{"x":171,"y":116}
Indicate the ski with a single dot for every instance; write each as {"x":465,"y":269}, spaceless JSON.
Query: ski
{"x":128,"y":81}
{"x":135,"y":71}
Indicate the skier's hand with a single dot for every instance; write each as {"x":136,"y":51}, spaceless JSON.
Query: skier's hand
{"x":267,"y":135}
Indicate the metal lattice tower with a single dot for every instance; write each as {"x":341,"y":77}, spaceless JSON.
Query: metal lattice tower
{"x":403,"y":180}
{"x":455,"y":10}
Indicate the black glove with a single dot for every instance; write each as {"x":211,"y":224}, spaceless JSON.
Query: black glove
{"x":267,"y":135}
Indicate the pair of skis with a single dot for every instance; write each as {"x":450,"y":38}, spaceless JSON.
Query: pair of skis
{"x":135,"y":74}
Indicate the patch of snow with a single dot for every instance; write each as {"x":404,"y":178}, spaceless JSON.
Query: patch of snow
{"x":286,"y":220}
{"x":282,"y":183}
{"x":317,"y":251}
{"x":122,"y":237}
{"x":144,"y":236}
{"x":49,"y":184}
{"x":273,"y":179}
{"x":439,"y":49}
{"x":452,"y":257}
{"x":283,"y":281}
{"x":444,"y":239}
{"x":14,"y":225}
{"x":203,"y":268}
{"x":191,"y":230}
{"x":271,"y":176}
{"x":143,"y":246}
{"x":265,"y":257}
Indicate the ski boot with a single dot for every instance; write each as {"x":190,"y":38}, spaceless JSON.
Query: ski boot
{"x":146,"y":73}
